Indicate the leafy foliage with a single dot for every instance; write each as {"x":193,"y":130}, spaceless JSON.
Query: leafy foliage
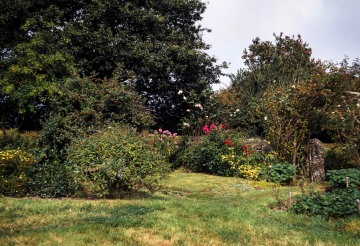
{"x":342,"y":156}
{"x":284,"y":62}
{"x":165,"y":142}
{"x":29,"y":74}
{"x":49,"y":177}
{"x":154,"y":45}
{"x":338,"y":177}
{"x":338,"y":204}
{"x":204,"y":154}
{"x":84,"y":105}
{"x":318,"y":107}
{"x":280,"y":173}
{"x":290,"y":98}
{"x":14,"y":139}
{"x":113,"y":161}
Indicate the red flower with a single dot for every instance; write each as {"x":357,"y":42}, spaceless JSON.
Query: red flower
{"x":221,"y":126}
{"x":212,"y":126}
{"x":246,"y":150}
{"x":228,"y":143}
{"x":206,"y":129}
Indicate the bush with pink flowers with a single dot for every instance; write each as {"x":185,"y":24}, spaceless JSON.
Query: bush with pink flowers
{"x":203,"y":154}
{"x":165,"y":142}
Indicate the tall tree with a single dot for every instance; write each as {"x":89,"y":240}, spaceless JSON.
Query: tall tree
{"x":155,"y":45}
{"x":268,"y":65}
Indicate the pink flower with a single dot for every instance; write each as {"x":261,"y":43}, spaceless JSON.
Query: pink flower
{"x":221,"y":126}
{"x":160,"y":130}
{"x":206,"y":129}
{"x":212,"y":126}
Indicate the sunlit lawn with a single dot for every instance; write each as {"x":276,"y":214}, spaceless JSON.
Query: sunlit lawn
{"x":191,"y":209}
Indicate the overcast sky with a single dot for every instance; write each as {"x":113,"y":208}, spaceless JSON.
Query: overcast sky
{"x":331,"y":27}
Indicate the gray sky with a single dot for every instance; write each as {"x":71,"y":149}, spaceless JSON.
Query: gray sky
{"x":331,"y":27}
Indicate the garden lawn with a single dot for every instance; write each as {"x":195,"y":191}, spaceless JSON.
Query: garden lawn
{"x":190,"y":209}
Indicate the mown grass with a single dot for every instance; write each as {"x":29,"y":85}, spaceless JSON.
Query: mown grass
{"x":191,"y":209}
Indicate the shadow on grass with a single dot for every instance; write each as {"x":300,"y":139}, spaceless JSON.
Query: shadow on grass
{"x":125,"y":216}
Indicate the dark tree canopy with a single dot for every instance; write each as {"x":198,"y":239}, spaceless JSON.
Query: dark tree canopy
{"x":155,"y":45}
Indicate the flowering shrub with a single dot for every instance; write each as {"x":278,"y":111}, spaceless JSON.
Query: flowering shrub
{"x":164,"y":141}
{"x":242,"y":162}
{"x":249,"y":171}
{"x":207,"y":129}
{"x":206,"y":153}
{"x":228,"y":143}
{"x":13,"y":168}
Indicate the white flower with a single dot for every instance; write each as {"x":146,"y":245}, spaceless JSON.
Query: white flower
{"x":184,"y":98}
{"x":188,"y":110}
{"x":339,"y":106}
{"x":231,"y":114}
{"x":237,"y":110}
{"x":356,"y":75}
{"x":180,"y":92}
{"x":186,"y":124}
{"x":265,"y":118}
{"x":198,"y":105}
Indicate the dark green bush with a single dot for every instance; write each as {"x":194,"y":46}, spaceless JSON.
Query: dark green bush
{"x":280,"y":173}
{"x":114,"y":160}
{"x":339,"y":203}
{"x":85,"y":105}
{"x":81,"y":107}
{"x":50,"y":177}
{"x":342,"y":156}
{"x":338,"y":177}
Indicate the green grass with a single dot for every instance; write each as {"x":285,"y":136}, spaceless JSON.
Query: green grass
{"x":191,"y":209}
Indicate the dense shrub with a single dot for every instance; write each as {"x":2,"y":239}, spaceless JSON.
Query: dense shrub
{"x":50,"y":177}
{"x":85,"y":105}
{"x":339,"y":203}
{"x":14,"y":165}
{"x":280,"y":173}
{"x":338,"y":177}
{"x":342,"y":156}
{"x":244,"y":162}
{"x":115,"y":160}
{"x":14,"y":139}
{"x":204,"y":154}
{"x":81,"y":107}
